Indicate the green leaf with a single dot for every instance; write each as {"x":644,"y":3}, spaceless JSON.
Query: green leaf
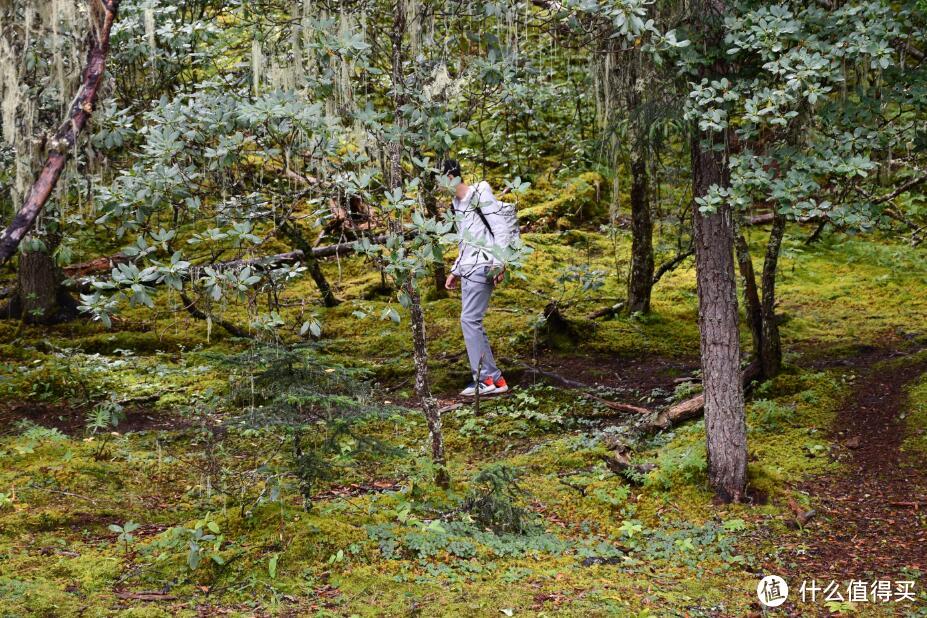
{"x":733,"y":525}
{"x":272,"y":566}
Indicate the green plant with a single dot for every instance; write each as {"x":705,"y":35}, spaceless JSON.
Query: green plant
{"x":771,"y":414}
{"x":125,"y":533}
{"x":493,"y":500}
{"x":103,"y":417}
{"x":203,"y":540}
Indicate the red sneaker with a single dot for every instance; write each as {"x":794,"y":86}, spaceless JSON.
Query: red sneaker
{"x":500,"y":385}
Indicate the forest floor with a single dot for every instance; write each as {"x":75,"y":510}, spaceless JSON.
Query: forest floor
{"x":212,"y":481}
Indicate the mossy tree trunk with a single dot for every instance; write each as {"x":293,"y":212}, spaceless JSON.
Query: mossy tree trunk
{"x":40,"y":296}
{"x":640,"y":280}
{"x":62,"y":144}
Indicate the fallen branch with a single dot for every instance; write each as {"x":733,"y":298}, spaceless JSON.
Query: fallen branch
{"x":62,"y":145}
{"x":910,"y":505}
{"x":146,"y":596}
{"x":573,"y":384}
{"x":192,"y":309}
{"x":606,"y":312}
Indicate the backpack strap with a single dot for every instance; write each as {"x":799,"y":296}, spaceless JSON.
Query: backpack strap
{"x":482,"y":216}
{"x":485,"y":222}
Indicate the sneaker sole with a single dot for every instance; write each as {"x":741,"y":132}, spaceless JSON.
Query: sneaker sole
{"x":501,"y":389}
{"x":483,"y":394}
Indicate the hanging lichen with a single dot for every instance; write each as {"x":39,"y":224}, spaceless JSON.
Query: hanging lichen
{"x":9,"y":90}
{"x":257,"y":64}
{"x":283,"y":75}
{"x":346,"y":67}
{"x":149,"y":18}
{"x":412,"y":10}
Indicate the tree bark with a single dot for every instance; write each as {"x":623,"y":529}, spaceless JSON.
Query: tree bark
{"x":431,"y":207}
{"x":423,"y":385}
{"x":761,"y":310}
{"x":771,"y":350}
{"x":39,"y":296}
{"x":61,"y":146}
{"x":752,"y":307}
{"x":640,"y":280}
{"x":725,"y":425}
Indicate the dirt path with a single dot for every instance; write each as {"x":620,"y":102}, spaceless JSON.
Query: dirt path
{"x":871,"y":520}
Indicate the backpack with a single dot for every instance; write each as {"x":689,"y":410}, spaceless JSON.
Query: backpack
{"x":509,"y":213}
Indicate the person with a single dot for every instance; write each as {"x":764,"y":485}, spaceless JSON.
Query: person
{"x":481,"y":228}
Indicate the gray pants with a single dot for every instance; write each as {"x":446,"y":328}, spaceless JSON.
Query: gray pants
{"x":475,"y":290}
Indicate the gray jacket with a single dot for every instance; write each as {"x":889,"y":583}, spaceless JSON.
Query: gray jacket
{"x":476,"y":240}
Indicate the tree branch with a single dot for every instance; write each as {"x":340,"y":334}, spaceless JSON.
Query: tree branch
{"x":62,"y":144}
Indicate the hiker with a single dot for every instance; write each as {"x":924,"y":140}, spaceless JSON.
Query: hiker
{"x":482,"y":223}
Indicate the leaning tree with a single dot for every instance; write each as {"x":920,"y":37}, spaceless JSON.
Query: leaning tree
{"x":39,"y":59}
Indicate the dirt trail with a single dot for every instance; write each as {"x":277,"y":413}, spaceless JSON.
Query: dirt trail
{"x":871,"y":520}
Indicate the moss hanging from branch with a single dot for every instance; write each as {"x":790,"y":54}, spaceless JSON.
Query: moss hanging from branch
{"x":61,"y":146}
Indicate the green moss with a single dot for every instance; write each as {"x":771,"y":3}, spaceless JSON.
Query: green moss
{"x":579,"y":202}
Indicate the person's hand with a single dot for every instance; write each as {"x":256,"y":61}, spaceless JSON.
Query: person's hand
{"x":500,"y":277}
{"x":451,"y":282}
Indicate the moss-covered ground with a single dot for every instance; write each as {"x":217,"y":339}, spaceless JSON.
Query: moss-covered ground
{"x":222,"y":526}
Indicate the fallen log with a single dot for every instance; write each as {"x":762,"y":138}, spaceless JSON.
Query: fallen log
{"x":694,"y":406}
{"x":289,"y":257}
{"x":103,"y":264}
{"x":683,"y":411}
{"x":606,"y":312}
{"x":94,"y":266}
{"x":766,"y":217}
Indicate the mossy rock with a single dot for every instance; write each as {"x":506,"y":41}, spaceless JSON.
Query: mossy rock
{"x":581,"y":201}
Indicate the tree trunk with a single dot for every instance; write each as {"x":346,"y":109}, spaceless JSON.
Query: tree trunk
{"x":417,"y":317}
{"x":752,"y":308}
{"x":423,"y":386}
{"x":640,"y":280}
{"x":290,"y":230}
{"x":725,"y":425}
{"x":761,"y":311}
{"x":431,"y":207}
{"x":62,"y":144}
{"x":40,"y":297}
{"x":771,"y":349}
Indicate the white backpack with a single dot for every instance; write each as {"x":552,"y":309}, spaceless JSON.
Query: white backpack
{"x":509,"y":213}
